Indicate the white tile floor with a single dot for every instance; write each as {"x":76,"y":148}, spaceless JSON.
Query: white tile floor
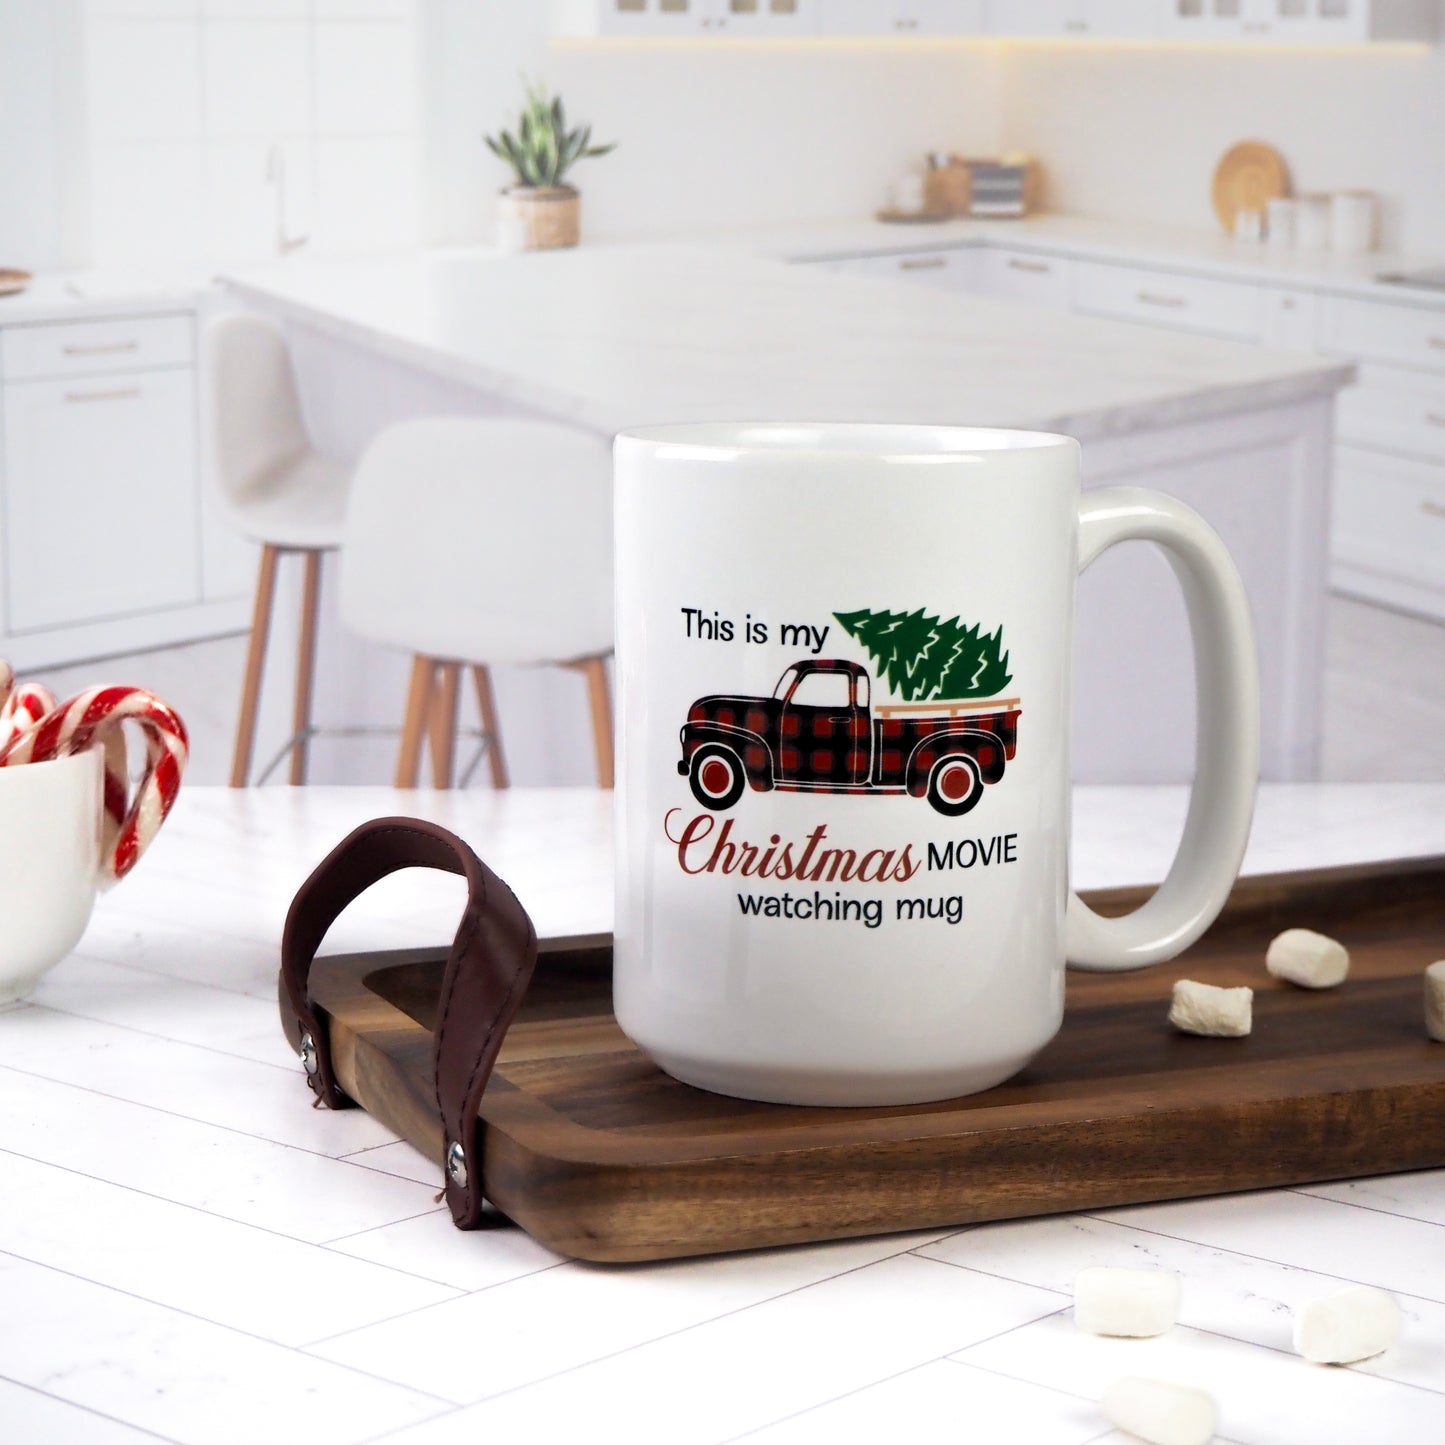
{"x":1394,"y":660}
{"x":189,"y":1253}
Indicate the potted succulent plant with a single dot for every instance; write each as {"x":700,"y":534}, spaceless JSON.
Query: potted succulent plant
{"x":541,"y":152}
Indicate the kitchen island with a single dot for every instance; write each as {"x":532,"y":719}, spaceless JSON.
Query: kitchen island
{"x":608,"y":337}
{"x":189,"y":1252}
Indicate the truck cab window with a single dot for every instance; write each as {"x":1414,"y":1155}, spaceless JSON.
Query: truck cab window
{"x":821,"y":689}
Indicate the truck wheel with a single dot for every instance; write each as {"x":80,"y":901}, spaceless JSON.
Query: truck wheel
{"x":955,"y":785}
{"x":717,"y":777}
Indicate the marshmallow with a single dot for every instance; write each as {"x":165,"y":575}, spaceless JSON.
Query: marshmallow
{"x":1160,"y":1412}
{"x":1130,"y":1302}
{"x":1435,"y":1000}
{"x":1308,"y":959}
{"x":1200,"y":1008}
{"x":1354,"y":1324}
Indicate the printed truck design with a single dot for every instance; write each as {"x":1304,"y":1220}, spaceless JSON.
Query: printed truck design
{"x":819,"y":732}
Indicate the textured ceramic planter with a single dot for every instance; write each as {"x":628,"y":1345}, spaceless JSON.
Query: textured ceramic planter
{"x":542,"y":217}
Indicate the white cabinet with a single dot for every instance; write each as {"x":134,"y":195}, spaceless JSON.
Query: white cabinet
{"x":649,"y":18}
{"x":1289,"y":319}
{"x":951,"y":268}
{"x":1025,"y":276}
{"x":902,"y":17}
{"x":1275,"y":21}
{"x":1395,"y":410}
{"x":1300,"y":22}
{"x":1389,"y":529}
{"x":1167,"y":298}
{"x":1076,"y":19}
{"x":767,"y":17}
{"x":684,"y":18}
{"x":101,"y":504}
{"x":105,"y":545}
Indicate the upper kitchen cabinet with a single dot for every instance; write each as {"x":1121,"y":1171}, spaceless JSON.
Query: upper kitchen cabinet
{"x":685,"y":18}
{"x":767,"y":17}
{"x":903,"y":17}
{"x":1077,"y":19}
{"x":1300,"y":22}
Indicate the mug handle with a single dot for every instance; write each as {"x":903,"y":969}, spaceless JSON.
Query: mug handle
{"x":1226,"y":767}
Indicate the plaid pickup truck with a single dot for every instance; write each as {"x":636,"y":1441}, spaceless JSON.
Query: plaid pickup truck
{"x":819,"y":733}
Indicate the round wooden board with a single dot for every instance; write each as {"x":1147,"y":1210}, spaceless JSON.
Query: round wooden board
{"x":1248,"y":175}
{"x":12,"y":281}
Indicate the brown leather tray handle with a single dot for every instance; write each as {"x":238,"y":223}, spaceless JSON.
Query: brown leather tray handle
{"x":487,"y":972}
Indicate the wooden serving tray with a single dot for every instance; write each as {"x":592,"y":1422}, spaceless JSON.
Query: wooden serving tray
{"x":601,"y":1156}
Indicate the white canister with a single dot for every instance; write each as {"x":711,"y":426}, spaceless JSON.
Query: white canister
{"x":1248,"y":224}
{"x":1352,"y":221}
{"x":1281,"y":214}
{"x":1312,"y":221}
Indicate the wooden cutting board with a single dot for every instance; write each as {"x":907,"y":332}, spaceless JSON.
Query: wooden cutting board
{"x":601,"y":1156}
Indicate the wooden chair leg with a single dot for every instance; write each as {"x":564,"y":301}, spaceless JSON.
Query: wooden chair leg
{"x":413,"y":728}
{"x":443,"y":724}
{"x":255,"y":667}
{"x":305,"y":667}
{"x":599,"y":697}
{"x":487,"y":708}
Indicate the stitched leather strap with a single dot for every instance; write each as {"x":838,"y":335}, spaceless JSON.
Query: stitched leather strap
{"x":487,"y":972}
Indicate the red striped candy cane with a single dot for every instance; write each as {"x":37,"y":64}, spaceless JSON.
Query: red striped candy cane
{"x":97,"y":715}
{"x":23,"y":708}
{"x":27,"y":706}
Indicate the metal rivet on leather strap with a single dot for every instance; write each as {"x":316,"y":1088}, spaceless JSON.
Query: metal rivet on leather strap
{"x":457,"y":1166}
{"x":308,"y":1056}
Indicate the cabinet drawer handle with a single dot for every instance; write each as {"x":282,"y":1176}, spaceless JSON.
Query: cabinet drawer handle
{"x":927,"y":263}
{"x":1153,"y":298}
{"x":1432,"y":509}
{"x":1434,"y":418}
{"x":1438,"y":342}
{"x":110,"y":348}
{"x":120,"y":393}
{"x":1041,"y":268}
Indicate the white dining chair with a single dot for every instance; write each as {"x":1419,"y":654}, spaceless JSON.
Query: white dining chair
{"x":475,"y":541}
{"x":279,"y":491}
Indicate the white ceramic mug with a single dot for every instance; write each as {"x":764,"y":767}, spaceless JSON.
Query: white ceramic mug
{"x":843,"y":661}
{"x":50,"y":860}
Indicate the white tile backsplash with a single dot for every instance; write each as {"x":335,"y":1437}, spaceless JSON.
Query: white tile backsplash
{"x":365,"y":78}
{"x":185,"y":98}
{"x":142,"y":9}
{"x":363,"y":9}
{"x":143,"y":80}
{"x":257,"y":9}
{"x":241,"y":217}
{"x":257,"y":79}
{"x":366,"y":193}
{"x":145,"y":202}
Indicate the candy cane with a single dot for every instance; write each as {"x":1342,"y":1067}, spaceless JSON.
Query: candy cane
{"x":98,"y":715}
{"x":23,"y":708}
{"x":27,"y":706}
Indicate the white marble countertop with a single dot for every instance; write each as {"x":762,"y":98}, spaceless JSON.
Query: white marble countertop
{"x":1197,"y":251}
{"x":190,"y":1253}
{"x":616,"y":336}
{"x":93,"y":295}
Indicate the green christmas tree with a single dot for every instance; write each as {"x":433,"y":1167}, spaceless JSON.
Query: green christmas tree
{"x":922,"y":658}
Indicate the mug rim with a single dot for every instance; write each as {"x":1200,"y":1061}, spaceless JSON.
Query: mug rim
{"x":877,"y":441}
{"x":88,"y":752}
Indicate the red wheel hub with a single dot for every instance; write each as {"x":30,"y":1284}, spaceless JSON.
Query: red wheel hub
{"x":716,"y":776}
{"x":956,"y":782}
